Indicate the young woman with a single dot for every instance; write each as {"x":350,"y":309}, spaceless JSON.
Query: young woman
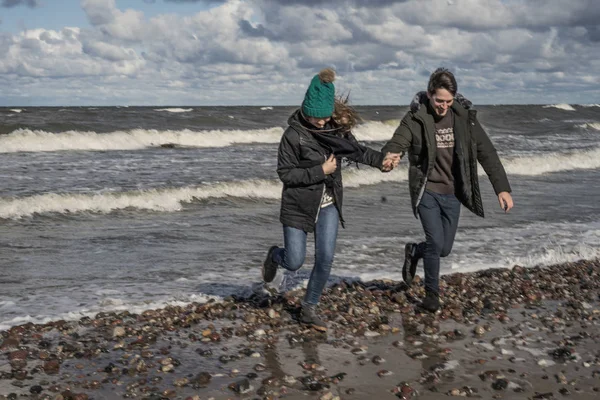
{"x":309,"y":154}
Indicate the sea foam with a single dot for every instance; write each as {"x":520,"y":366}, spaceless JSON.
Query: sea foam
{"x":591,"y":125}
{"x":174,"y":110}
{"x":173,"y":199}
{"x":563,"y":106}
{"x":27,"y":140}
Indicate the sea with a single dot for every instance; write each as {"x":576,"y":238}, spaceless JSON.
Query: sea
{"x":134,"y":208}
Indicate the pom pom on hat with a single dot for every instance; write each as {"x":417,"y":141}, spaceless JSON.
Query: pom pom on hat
{"x":327,"y":75}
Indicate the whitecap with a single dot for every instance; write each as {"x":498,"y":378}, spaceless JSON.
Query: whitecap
{"x":563,"y":106}
{"x":174,"y":110}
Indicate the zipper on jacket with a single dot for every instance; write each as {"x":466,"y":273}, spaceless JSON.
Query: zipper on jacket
{"x":421,"y":194}
{"x":320,"y":203}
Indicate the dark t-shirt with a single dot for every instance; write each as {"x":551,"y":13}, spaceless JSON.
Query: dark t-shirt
{"x":441,"y":179}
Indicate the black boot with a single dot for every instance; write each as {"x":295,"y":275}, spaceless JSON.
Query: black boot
{"x":431,"y":302}
{"x":409,"y":269}
{"x":269,"y":269}
{"x":309,"y":317}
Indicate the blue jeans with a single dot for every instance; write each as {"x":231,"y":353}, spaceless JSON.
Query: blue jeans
{"x":291,"y":257}
{"x":439,"y":215}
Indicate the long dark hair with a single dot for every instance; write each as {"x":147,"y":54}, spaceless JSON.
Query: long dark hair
{"x":344,"y":115}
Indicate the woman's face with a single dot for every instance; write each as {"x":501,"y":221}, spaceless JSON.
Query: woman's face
{"x":318,"y":122}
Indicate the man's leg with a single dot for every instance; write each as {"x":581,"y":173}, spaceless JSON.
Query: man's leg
{"x":450,"y":216}
{"x":430,"y":215}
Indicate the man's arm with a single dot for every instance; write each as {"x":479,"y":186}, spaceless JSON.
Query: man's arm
{"x":489,"y":160}
{"x":401,"y":140}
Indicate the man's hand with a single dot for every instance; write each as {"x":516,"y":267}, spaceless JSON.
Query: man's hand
{"x":505,"y":200}
{"x":330,"y":165}
{"x":390,"y":161}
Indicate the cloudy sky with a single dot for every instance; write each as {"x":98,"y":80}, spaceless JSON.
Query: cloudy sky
{"x":195,"y":52}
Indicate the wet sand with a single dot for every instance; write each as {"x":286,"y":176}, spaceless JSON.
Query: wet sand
{"x":511,"y":334}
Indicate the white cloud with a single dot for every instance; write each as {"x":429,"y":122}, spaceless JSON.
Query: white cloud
{"x":265,"y":51}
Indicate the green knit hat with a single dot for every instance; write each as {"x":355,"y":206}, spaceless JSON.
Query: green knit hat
{"x":320,"y":95}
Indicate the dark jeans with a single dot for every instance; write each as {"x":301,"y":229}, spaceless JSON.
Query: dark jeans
{"x":439,"y":215}
{"x":291,"y":257}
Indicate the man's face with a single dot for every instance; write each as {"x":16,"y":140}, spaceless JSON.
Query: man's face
{"x":441,"y":101}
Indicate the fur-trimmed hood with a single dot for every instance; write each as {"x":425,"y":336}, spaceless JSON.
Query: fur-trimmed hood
{"x":421,"y":98}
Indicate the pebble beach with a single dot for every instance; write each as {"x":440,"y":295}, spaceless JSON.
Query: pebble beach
{"x":519,"y":333}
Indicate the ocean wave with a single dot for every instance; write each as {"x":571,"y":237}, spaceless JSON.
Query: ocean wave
{"x":107,"y":305}
{"x":174,"y":110}
{"x":563,"y":106}
{"x":173,"y":199}
{"x":591,"y":125}
{"x":26,"y":140}
{"x":553,"y":162}
{"x":590,"y":105}
{"x":266,"y":108}
{"x":170,"y":199}
{"x":16,"y":110}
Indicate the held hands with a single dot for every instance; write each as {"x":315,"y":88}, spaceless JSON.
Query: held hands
{"x":505,"y":200}
{"x":390,"y":162}
{"x":330,"y":165}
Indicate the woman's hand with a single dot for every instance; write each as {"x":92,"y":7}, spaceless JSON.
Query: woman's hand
{"x":330,"y":165}
{"x":390,"y":161}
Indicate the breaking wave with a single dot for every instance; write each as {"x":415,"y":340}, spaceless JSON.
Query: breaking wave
{"x":592,"y":125}
{"x":26,"y":140}
{"x":566,"y":107}
{"x":553,"y":162}
{"x":174,"y":110}
{"x":169,"y":199}
{"x":173,"y":199}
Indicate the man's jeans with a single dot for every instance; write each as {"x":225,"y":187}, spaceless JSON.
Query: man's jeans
{"x":292,"y":256}
{"x":439,"y":215}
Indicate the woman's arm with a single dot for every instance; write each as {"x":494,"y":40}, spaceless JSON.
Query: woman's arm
{"x":288,"y":163}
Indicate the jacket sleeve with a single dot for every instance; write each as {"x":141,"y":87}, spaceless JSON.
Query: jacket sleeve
{"x":402,"y":139}
{"x":367,"y":155}
{"x":288,"y":160}
{"x":489,"y":160}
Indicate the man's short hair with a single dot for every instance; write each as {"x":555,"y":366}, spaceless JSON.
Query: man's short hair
{"x":442,"y":79}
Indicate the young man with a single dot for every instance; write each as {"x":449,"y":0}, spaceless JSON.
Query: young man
{"x":444,"y":142}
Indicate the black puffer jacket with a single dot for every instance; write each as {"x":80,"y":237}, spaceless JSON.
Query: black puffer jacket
{"x":416,"y":134}
{"x":299,"y":167}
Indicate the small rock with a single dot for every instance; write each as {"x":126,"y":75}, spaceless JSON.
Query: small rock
{"x":377,"y":360}
{"x":37,"y":389}
{"x":369,"y":333}
{"x":242,"y":386}
{"x":326,"y":396}
{"x":479,"y":330}
{"x":500,"y":384}
{"x":119,"y":331}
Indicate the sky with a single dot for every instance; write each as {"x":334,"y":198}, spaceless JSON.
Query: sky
{"x":265,"y":52}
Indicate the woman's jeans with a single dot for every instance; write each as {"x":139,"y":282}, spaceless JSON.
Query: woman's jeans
{"x":439,"y":215}
{"x":292,"y":256}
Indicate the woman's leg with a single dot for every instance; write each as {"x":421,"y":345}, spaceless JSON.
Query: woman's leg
{"x":291,"y":257}
{"x":326,"y":232}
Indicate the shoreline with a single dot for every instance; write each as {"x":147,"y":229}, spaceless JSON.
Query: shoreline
{"x":502,"y":333}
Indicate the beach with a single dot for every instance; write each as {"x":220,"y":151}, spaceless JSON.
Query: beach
{"x":517,"y":333}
